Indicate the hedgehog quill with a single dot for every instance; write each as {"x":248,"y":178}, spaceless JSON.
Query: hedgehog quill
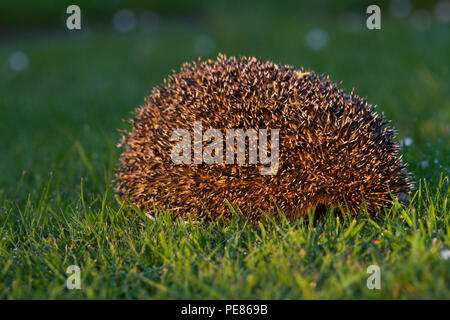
{"x":332,"y":148}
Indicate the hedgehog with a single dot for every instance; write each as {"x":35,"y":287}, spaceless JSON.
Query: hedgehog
{"x":332,"y":149}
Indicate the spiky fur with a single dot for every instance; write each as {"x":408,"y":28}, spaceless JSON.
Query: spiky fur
{"x":335,"y":150}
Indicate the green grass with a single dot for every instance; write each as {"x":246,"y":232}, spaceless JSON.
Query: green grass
{"x":57,"y":159}
{"x":123,"y":254}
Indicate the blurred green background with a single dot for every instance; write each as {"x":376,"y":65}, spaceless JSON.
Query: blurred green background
{"x":63,"y":93}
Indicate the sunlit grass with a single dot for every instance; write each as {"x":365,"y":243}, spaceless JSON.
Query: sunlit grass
{"x":124,"y":254}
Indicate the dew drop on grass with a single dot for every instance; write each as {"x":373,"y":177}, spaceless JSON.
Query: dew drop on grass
{"x":316,"y":39}
{"x":445,"y":254}
{"x":407,"y":141}
{"x":18,"y":61}
{"x":124,"y":21}
{"x":442,"y":11}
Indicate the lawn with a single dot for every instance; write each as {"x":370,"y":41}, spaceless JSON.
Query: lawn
{"x":58,"y":154}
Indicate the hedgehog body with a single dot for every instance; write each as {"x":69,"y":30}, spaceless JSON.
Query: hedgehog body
{"x":334,"y":149}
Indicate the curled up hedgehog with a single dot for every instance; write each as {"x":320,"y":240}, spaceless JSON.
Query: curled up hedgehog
{"x":261,"y":136}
